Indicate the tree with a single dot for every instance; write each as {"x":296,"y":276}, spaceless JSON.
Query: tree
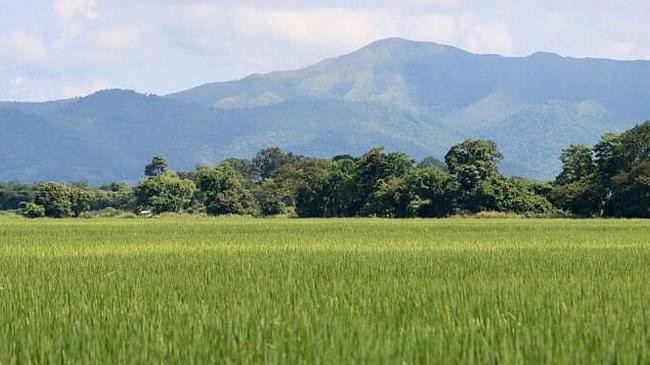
{"x":428,"y":190}
{"x":515,"y":195}
{"x":375,"y":169}
{"x":163,"y":193}
{"x":636,"y":145}
{"x":157,"y":167}
{"x":431,"y":161}
{"x":13,"y":195}
{"x":269,"y":198}
{"x":575,"y":187}
{"x":608,"y":160}
{"x":118,"y":195}
{"x":388,"y":199}
{"x":630,"y":185}
{"x":473,"y":165}
{"x":55,"y":198}
{"x":301,"y":185}
{"x":245,"y":168}
{"x":608,"y":155}
{"x":580,"y":197}
{"x":224,"y":191}
{"x":577,"y":164}
{"x":271,"y":159}
{"x":342,"y":189}
{"x":632,"y":191}
{"x":81,"y":199}
{"x":611,"y":179}
{"x":475,"y":157}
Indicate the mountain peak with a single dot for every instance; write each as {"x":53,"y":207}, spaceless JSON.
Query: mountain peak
{"x":113,"y":92}
{"x":395,"y":41}
{"x":543,"y":54}
{"x":402,"y":44}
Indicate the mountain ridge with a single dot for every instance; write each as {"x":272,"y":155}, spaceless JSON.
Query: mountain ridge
{"x":419,"y":97}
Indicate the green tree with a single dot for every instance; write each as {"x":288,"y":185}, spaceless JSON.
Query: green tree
{"x":14,"y":194}
{"x":55,"y":198}
{"x":577,"y":164}
{"x":31,"y":210}
{"x":375,"y":169}
{"x":163,"y":193}
{"x":157,"y":167}
{"x":575,"y":188}
{"x":118,"y":195}
{"x":579,"y":197}
{"x":341,"y":189}
{"x":388,"y":199}
{"x":268,"y":160}
{"x":632,"y":191}
{"x":245,"y":168}
{"x":82,"y":199}
{"x":428,"y":190}
{"x":473,"y":165}
{"x":224,"y":191}
{"x":515,"y":196}
{"x":431,"y":161}
{"x":476,"y":158}
{"x":269,"y":197}
{"x":301,"y":185}
{"x":608,"y":160}
{"x":630,"y":185}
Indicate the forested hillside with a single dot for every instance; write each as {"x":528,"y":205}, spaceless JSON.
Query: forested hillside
{"x":415,"y":97}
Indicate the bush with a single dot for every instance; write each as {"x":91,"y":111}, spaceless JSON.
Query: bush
{"x":488,"y":214}
{"x":109,"y":212}
{"x":31,"y":210}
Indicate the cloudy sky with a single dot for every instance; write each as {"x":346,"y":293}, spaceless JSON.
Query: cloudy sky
{"x":64,"y":48}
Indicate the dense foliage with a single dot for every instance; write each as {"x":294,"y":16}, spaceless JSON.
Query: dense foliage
{"x":611,"y":178}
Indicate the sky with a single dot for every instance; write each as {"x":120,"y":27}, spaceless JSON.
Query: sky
{"x":52,"y":49}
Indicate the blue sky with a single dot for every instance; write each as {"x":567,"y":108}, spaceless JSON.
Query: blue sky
{"x":63,"y":48}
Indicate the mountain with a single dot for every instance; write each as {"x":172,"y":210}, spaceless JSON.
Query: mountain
{"x":416,"y":97}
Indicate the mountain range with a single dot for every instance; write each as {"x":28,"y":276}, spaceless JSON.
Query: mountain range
{"x":416,"y":97}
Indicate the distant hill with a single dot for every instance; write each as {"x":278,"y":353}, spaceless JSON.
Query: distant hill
{"x":416,"y":97}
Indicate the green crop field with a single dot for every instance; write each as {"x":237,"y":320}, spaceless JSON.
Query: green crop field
{"x":235,"y":290}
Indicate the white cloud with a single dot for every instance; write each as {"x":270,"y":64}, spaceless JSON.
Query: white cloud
{"x":628,"y":50}
{"x":466,"y":31}
{"x":71,"y":90}
{"x":67,"y":9}
{"x":345,"y":27}
{"x":118,"y":37}
{"x":488,"y":38}
{"x":441,"y":28}
{"x":22,"y":45}
{"x":316,"y":26}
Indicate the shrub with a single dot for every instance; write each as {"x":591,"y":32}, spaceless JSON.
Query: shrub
{"x":31,"y":210}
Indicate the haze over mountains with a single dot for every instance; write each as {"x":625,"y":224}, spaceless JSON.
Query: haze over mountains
{"x":415,"y":97}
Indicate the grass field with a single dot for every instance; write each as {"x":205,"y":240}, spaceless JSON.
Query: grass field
{"x":324,"y":291}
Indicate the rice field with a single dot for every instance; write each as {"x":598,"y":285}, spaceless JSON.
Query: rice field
{"x":236,"y":290}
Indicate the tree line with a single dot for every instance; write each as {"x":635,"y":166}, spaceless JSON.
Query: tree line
{"x":609,"y":179}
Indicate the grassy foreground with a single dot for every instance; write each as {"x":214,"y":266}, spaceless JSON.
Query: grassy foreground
{"x":324,"y":291}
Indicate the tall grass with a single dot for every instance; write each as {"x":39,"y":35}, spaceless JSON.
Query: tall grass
{"x":324,"y":291}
